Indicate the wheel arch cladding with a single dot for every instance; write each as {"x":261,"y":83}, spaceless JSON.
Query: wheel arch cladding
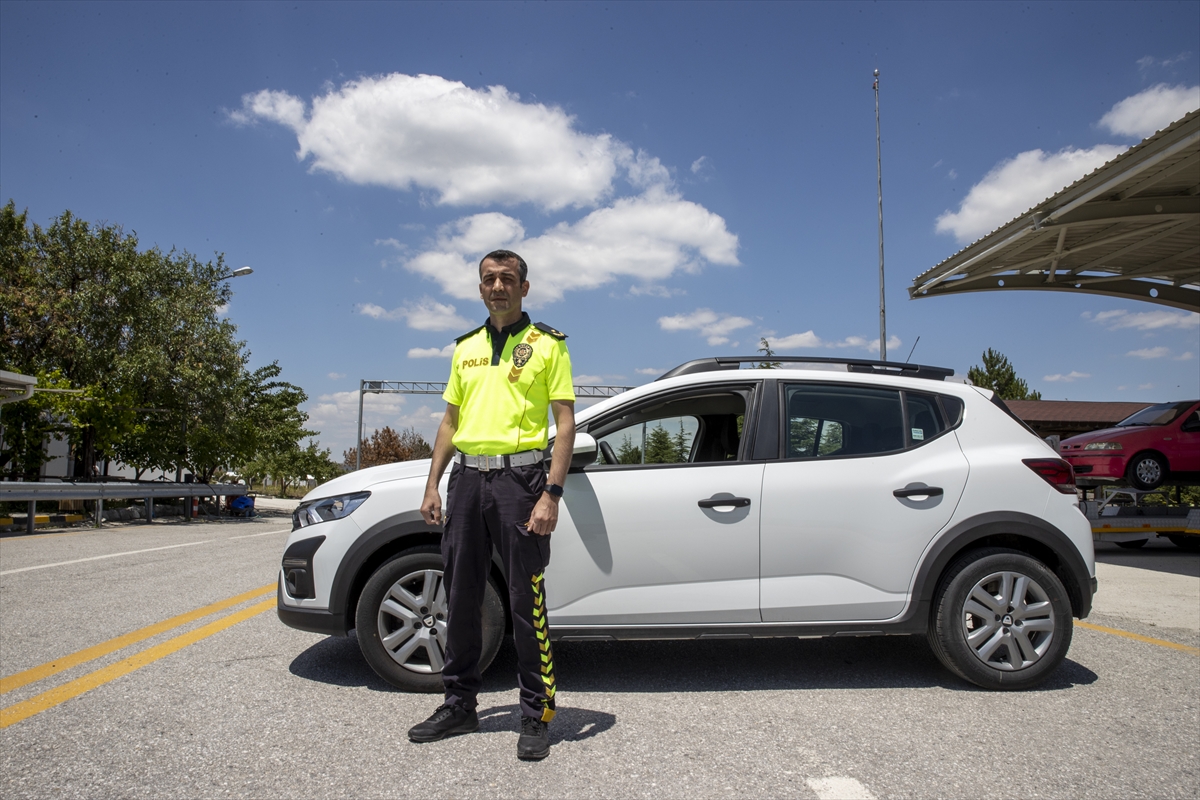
{"x":1013,"y":531}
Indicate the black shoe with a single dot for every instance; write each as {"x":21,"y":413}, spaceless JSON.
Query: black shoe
{"x":446,"y":721}
{"x":534,"y":744}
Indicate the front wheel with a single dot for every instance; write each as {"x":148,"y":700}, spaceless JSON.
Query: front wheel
{"x":1000,"y":619}
{"x":401,"y":621}
{"x":1146,"y":471}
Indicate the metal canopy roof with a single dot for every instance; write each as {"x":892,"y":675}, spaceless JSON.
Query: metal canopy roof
{"x":1129,"y":229}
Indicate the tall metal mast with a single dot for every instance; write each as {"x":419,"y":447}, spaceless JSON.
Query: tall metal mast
{"x":879,"y":172}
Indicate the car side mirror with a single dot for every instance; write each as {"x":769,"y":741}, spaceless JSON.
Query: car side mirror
{"x":585,"y":451}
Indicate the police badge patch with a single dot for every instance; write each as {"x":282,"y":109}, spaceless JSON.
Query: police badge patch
{"x":521,"y":355}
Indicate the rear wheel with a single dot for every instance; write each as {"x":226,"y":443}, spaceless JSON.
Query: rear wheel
{"x":401,"y":621}
{"x":1185,"y":541}
{"x":1001,"y":620}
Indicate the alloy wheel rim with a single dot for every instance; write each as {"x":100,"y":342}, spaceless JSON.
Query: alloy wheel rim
{"x":412,"y":622}
{"x":1008,"y":621}
{"x":1148,"y":470}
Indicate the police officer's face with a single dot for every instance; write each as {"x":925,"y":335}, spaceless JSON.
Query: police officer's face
{"x":501,"y":287}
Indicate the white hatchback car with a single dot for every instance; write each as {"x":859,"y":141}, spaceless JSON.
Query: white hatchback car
{"x":850,"y":498}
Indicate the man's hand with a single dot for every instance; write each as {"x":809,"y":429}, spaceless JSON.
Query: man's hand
{"x":544,"y":518}
{"x":431,"y":506}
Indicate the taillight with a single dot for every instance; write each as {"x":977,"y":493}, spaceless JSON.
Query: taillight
{"x":1055,"y":471}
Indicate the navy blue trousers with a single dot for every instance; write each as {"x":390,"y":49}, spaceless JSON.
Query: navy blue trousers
{"x":486,"y":510}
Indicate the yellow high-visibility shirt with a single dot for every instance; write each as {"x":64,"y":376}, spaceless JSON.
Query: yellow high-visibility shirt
{"x":503,"y":386}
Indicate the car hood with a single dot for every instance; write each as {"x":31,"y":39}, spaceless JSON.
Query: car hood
{"x":366,"y":478}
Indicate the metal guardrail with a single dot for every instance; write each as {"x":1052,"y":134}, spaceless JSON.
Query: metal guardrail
{"x":34,"y":492}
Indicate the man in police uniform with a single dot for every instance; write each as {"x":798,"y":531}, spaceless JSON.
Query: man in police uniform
{"x":506,"y":375}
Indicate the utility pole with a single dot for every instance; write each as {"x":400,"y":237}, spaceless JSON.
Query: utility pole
{"x":879,"y":172}
{"x":358,"y":435}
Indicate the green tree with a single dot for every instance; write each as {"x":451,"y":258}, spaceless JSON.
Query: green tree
{"x":999,"y":375}
{"x":764,"y":347}
{"x":660,"y":446}
{"x":682,"y":443}
{"x":627,"y":453}
{"x":163,"y":380}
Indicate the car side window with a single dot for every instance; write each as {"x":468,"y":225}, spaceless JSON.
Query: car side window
{"x":690,"y":429}
{"x":1192,"y":423}
{"x":826,"y":421}
{"x":924,"y":417}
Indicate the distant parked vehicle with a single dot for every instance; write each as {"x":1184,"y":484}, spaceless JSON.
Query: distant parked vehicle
{"x":1157,"y":444}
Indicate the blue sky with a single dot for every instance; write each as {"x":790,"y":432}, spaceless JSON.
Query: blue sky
{"x":683,"y":178}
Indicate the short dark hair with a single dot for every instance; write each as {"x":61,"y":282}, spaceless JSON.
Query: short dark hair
{"x":507,"y":258}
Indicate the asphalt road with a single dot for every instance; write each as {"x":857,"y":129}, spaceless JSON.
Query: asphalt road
{"x":205,"y":694}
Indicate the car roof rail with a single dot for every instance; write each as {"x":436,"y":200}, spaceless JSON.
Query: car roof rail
{"x":852,"y":365}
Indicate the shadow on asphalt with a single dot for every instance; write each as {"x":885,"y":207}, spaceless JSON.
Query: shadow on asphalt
{"x":880,"y":662}
{"x":570,"y":724}
{"x":1157,"y":555}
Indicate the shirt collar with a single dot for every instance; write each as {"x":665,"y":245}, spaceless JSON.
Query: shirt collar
{"x":508,"y":330}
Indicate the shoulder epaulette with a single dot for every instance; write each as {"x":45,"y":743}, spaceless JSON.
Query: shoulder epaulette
{"x":470,"y":333}
{"x":541,"y":326}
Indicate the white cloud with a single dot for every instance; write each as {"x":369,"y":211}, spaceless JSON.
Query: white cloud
{"x":1184,"y":357}
{"x":649,"y":371}
{"x":708,"y":323}
{"x":425,"y":314}
{"x":1070,"y":377}
{"x":589,"y":379}
{"x":469,"y":146}
{"x":1018,"y":184}
{"x":797,"y":341}
{"x":1151,"y":110}
{"x":1119,"y":319}
{"x":1149,"y":352}
{"x":431,"y":352}
{"x":647,"y":237}
{"x":1145,"y":385}
{"x":810,"y":341}
{"x":336,"y":376}
{"x":698,"y":164}
{"x":654,"y":290}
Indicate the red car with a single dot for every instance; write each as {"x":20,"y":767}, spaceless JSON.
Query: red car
{"x":1156,"y":444}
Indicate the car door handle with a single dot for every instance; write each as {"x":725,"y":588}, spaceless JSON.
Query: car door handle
{"x":919,"y":491}
{"x":717,"y":502}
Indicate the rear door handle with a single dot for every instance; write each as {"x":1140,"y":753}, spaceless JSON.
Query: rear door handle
{"x":919,"y":491}
{"x":718,"y":502}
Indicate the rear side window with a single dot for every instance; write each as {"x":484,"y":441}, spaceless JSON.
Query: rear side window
{"x":924,"y":417}
{"x":834,"y":421}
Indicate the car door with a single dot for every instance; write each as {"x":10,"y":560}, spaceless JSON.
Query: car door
{"x":867,"y":477}
{"x":664,"y":528}
{"x":1185,"y":456}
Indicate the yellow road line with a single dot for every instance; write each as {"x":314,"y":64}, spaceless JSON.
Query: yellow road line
{"x":60,"y":694}
{"x":112,"y":645}
{"x":1138,"y":637}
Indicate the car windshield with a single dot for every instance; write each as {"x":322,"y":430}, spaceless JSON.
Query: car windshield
{"x":1159,"y":414}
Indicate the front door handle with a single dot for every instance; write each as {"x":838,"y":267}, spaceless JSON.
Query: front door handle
{"x":718,"y":502}
{"x":919,"y":491}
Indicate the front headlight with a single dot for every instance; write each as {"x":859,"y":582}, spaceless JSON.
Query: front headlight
{"x":327,"y":508}
{"x":1103,"y":446}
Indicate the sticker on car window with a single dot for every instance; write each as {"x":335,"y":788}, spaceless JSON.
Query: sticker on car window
{"x":918,"y":434}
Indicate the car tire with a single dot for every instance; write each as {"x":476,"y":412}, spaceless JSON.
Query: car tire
{"x":1188,"y":542}
{"x":1146,"y":471}
{"x":1133,"y":544}
{"x":405,"y":594}
{"x":985,"y":607}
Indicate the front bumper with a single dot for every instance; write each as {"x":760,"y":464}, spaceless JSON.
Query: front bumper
{"x":1097,"y":467}
{"x":313,"y":620}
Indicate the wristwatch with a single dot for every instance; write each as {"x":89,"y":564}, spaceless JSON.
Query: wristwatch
{"x":554,"y":489}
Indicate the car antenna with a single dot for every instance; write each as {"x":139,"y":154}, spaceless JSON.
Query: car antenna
{"x":910,"y":352}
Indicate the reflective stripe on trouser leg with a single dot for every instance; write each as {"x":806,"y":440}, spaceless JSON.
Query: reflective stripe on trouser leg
{"x":542,"y":631}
